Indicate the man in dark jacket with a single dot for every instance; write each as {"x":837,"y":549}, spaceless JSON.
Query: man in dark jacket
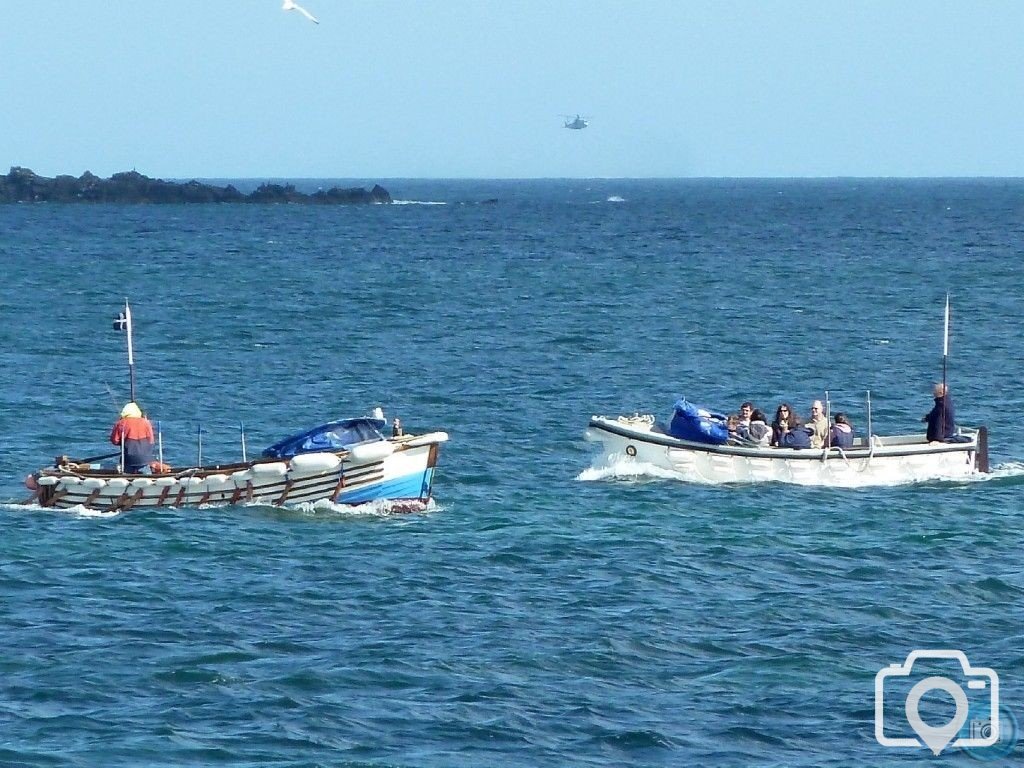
{"x":940,"y":418}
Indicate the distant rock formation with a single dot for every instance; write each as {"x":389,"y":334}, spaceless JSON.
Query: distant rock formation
{"x":23,"y":186}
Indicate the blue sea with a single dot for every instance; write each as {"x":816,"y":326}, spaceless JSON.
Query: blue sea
{"x":543,"y":611}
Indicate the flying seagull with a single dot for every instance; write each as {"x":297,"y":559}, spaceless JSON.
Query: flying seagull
{"x":291,"y":5}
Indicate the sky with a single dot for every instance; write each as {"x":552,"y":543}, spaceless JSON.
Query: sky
{"x":478,"y":88}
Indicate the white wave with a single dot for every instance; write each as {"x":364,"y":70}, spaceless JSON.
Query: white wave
{"x":1001,"y":471}
{"x":615,"y":199}
{"x":418,"y":202}
{"x":379,"y":508}
{"x":624,"y":468}
{"x":76,"y":511}
{"x":80,"y":511}
{"x":881,"y":341}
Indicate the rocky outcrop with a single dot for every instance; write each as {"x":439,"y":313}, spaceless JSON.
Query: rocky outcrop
{"x":23,"y":186}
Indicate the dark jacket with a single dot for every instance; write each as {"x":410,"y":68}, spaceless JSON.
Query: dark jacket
{"x":841,"y":436}
{"x":940,"y":419}
{"x":796,"y":438}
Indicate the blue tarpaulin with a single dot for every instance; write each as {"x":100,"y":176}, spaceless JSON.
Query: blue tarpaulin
{"x":698,"y":425}
{"x":332,"y":436}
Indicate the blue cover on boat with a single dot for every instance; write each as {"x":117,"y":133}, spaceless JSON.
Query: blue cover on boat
{"x":332,"y":436}
{"x":698,"y":425}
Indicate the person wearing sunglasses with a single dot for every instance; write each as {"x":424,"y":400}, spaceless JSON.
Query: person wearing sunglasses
{"x":785,"y":420}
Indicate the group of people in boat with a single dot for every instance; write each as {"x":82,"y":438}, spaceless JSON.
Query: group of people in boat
{"x":749,"y":427}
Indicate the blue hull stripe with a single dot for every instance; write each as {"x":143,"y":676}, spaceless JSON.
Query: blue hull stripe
{"x":414,"y":486}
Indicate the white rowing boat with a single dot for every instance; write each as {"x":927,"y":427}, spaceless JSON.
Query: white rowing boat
{"x":880,"y":460}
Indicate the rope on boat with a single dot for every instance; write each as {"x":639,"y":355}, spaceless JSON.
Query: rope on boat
{"x":636,"y":418}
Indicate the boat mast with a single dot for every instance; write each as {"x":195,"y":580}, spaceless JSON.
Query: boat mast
{"x":945,"y":357}
{"x":123,"y":322}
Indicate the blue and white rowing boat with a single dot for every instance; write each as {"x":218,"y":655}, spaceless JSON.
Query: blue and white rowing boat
{"x":348,"y":461}
{"x":345,"y":462}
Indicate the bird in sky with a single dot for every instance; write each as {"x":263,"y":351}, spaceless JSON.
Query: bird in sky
{"x":291,"y":5}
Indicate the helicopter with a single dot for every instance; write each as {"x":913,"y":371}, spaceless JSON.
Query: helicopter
{"x":576,"y":123}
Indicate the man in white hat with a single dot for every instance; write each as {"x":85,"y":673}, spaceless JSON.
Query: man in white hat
{"x":134,"y":434}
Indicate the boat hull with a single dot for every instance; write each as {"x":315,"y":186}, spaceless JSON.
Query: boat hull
{"x":883,"y":461}
{"x":404,"y":473}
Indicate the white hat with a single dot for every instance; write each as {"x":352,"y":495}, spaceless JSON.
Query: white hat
{"x":131,"y":411}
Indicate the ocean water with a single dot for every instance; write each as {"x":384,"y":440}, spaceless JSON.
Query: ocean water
{"x":542,"y":612}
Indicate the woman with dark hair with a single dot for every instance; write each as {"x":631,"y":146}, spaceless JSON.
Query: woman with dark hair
{"x":785,"y":420}
{"x":759,"y":432}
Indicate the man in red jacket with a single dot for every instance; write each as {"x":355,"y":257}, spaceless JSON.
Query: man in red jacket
{"x":134,"y":434}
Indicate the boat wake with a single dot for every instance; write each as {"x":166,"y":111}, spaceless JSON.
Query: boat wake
{"x":1007,"y":470}
{"x":627,"y":469}
{"x":379,"y":508}
{"x":418,"y":202}
{"x":76,"y":511}
{"x":617,"y":468}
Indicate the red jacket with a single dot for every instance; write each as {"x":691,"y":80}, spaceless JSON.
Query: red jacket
{"x":132,"y":429}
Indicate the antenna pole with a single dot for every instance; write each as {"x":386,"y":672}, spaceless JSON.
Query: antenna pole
{"x":199,"y":447}
{"x":131,"y":351}
{"x":869,"y":417}
{"x":828,"y":421}
{"x":241,"y":429}
{"x":160,"y":442}
{"x":945,"y":357}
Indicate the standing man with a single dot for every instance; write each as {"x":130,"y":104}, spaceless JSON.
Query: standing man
{"x":941,"y":425}
{"x":134,"y":434}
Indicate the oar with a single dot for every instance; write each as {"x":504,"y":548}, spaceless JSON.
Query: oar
{"x":90,"y":459}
